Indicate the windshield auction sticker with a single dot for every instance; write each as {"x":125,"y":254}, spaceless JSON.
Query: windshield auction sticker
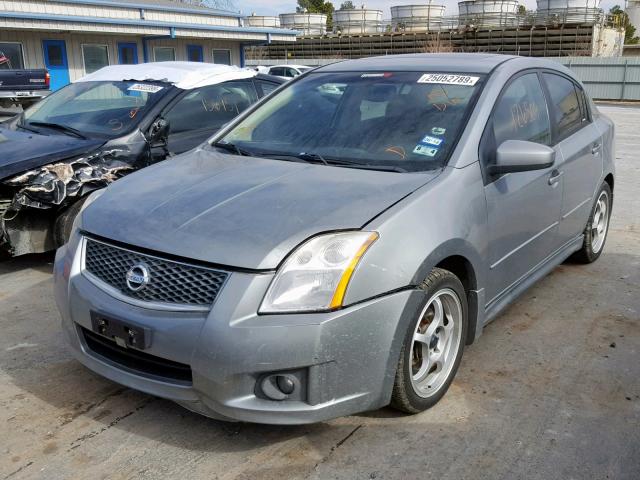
{"x":144,"y":87}
{"x":448,"y":79}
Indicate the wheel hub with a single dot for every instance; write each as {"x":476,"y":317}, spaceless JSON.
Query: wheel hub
{"x":435,"y":343}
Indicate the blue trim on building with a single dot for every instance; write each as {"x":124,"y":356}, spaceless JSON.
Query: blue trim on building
{"x":122,"y":46}
{"x":144,"y":23}
{"x":149,"y":6}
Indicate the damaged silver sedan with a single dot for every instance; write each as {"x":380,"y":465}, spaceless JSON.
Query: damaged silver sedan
{"x":106,"y":125}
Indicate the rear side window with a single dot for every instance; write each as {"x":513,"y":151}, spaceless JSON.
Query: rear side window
{"x":566,"y":110}
{"x":211,"y":107}
{"x":278,"y":71}
{"x":267,"y":87}
{"x":521,"y":113}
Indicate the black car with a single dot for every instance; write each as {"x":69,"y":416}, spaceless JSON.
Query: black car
{"x":102,"y":127}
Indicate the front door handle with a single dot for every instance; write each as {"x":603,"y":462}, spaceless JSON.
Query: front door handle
{"x":555,"y":177}
{"x":596,"y":148}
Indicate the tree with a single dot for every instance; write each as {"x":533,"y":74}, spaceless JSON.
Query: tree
{"x":348,"y":5}
{"x":522,"y":9}
{"x":317,"y":6}
{"x":623,"y":20}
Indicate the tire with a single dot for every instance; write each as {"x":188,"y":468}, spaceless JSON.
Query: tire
{"x":596,"y":236}
{"x":64,"y":223}
{"x":418,"y":386}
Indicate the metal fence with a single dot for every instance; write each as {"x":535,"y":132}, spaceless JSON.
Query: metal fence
{"x":605,"y":78}
{"x":613,"y":78}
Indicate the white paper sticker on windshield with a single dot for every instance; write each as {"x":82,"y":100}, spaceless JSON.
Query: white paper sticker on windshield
{"x":448,"y":79}
{"x":425,"y":150}
{"x":145,"y":87}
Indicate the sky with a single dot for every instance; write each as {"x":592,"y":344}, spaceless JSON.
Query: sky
{"x":274,"y":7}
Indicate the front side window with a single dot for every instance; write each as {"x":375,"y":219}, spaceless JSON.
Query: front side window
{"x":393,"y":120}
{"x":222,"y":57}
{"x":105,"y":109}
{"x":277,"y":71}
{"x":521,"y":113}
{"x":210,"y":107}
{"x":164,"y":54}
{"x":565,"y":106}
{"x":95,"y":57}
{"x":11,"y":56}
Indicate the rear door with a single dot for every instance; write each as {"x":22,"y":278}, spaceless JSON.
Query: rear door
{"x":580,"y":142}
{"x":524,"y":207}
{"x":55,"y":59}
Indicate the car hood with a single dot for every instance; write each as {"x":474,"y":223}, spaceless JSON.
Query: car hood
{"x":21,"y":150}
{"x":237,"y":211}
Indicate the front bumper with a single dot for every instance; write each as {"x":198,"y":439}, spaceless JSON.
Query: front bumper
{"x":345,"y":360}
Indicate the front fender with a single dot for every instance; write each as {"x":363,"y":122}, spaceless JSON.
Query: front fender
{"x":447,"y":217}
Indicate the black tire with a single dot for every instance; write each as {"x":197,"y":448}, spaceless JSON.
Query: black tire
{"x":404,"y":396}
{"x":586,"y":254}
{"x":64,"y":223}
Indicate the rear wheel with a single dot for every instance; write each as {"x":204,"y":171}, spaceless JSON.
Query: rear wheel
{"x":433,"y":345}
{"x":595,"y":233}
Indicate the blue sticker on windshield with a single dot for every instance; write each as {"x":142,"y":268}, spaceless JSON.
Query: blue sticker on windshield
{"x":434,"y":141}
{"x":425,"y":150}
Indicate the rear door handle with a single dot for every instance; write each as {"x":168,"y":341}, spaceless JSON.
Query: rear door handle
{"x":596,"y":148}
{"x":555,"y":177}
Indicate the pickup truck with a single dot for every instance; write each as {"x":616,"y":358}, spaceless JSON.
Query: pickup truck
{"x":20,"y":86}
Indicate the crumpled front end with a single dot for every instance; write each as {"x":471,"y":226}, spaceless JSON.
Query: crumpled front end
{"x":31,"y":202}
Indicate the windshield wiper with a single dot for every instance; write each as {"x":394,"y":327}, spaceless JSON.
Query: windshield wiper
{"x":312,"y":156}
{"x":24,"y":127}
{"x":233,"y":148}
{"x":348,"y":164}
{"x":59,"y":126}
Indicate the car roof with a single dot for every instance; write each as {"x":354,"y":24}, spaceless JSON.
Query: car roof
{"x":419,"y":62}
{"x":184,"y":75}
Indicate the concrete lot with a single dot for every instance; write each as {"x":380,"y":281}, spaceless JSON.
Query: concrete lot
{"x":551,"y":390}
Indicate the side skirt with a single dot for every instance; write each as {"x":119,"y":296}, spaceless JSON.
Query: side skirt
{"x":531,"y":277}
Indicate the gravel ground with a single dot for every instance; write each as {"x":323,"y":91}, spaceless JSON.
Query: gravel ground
{"x":551,"y":390}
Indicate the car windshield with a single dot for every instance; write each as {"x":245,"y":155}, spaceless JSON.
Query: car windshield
{"x":104,"y":109}
{"x":407,"y":121}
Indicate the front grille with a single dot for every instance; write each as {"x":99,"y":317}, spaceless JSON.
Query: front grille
{"x":135,"y":360}
{"x":170,"y":282}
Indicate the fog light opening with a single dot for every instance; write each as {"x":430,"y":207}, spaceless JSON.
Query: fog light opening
{"x":279,"y":386}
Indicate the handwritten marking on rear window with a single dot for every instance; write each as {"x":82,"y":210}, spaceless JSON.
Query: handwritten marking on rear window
{"x":448,"y":79}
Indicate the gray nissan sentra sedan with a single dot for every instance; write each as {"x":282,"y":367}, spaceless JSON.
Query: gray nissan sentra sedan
{"x":335,"y":248}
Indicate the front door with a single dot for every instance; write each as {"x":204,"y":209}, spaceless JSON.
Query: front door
{"x":523,"y":207}
{"x":127,"y":53}
{"x":55,"y":59}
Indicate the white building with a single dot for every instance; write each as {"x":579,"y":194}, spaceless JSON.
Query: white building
{"x":75,"y":37}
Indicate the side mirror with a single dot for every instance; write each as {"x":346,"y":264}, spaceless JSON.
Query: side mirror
{"x":521,"y":156}
{"x":158,"y":133}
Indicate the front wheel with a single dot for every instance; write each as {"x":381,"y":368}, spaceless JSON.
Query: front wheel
{"x":63,"y":225}
{"x":433,"y":345}
{"x":597,"y":227}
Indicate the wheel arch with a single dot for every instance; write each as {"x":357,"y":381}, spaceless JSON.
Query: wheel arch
{"x":461,"y":259}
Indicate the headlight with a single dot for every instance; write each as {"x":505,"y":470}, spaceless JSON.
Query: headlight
{"x":315,"y":276}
